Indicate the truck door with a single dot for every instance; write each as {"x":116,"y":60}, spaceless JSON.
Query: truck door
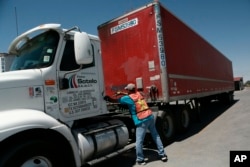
{"x":82,"y":97}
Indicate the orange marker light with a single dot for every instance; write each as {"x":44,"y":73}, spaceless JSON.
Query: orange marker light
{"x":50,"y":82}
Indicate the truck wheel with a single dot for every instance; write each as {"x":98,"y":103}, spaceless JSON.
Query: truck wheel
{"x":226,"y":98}
{"x":165,"y":126}
{"x":183,"y":119}
{"x":229,"y":98}
{"x":34,"y":153}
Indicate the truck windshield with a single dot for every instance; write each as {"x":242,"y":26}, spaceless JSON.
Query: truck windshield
{"x":37,"y":52}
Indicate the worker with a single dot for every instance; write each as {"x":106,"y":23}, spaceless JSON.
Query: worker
{"x":143,"y":120}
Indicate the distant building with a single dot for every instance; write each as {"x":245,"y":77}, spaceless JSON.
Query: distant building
{"x":5,"y":62}
{"x":238,"y":83}
{"x":2,"y":68}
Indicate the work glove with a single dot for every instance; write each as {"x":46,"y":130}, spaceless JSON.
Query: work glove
{"x":106,"y":98}
{"x":120,"y":93}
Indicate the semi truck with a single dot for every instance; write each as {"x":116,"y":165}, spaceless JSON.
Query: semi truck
{"x":52,"y":110}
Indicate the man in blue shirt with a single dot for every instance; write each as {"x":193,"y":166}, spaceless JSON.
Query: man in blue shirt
{"x":143,"y":120}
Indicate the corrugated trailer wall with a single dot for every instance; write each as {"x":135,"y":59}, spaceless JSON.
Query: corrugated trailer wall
{"x":195,"y":68}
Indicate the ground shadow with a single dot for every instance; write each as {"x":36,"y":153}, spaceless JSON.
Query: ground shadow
{"x":126,"y":159}
{"x":208,"y":115}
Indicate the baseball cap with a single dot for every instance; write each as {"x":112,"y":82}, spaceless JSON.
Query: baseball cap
{"x":130,"y":86}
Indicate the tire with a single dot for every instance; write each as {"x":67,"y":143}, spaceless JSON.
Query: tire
{"x":183,"y":119}
{"x":227,"y":98}
{"x":35,"y":153}
{"x":165,"y":126}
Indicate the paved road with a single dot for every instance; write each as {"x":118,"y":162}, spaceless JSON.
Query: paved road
{"x":206,"y":144}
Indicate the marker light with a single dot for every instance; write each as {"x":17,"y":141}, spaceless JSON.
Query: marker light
{"x":50,"y":82}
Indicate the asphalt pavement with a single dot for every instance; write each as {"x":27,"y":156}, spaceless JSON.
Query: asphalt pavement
{"x":207,"y":143}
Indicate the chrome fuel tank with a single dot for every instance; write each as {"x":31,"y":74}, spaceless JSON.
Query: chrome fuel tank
{"x":102,"y":138}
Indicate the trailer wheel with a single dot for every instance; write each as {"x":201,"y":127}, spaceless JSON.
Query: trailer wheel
{"x":165,"y":126}
{"x":227,"y":98}
{"x":35,"y":153}
{"x":183,"y":119}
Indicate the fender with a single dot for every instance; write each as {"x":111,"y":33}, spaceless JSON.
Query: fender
{"x":18,"y":120}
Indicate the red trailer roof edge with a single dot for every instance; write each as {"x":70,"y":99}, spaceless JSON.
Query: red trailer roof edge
{"x":128,"y":13}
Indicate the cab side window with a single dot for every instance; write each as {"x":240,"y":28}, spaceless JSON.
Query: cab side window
{"x":68,"y":62}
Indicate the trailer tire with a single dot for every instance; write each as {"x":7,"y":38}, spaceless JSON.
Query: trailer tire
{"x":183,"y":119}
{"x":32,"y":153}
{"x":227,"y":98}
{"x":165,"y":126}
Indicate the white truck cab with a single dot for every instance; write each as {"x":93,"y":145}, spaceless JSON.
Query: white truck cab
{"x":65,"y":71}
{"x":51,"y":99}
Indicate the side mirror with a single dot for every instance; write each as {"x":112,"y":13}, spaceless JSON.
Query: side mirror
{"x":83,"y":48}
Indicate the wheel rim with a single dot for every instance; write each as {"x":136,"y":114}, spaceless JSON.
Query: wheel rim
{"x":37,"y":161}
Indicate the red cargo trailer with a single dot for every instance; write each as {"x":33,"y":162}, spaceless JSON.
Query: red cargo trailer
{"x":151,"y":46}
{"x":165,"y":58}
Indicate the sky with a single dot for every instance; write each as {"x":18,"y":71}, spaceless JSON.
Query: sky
{"x":225,"y":24}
